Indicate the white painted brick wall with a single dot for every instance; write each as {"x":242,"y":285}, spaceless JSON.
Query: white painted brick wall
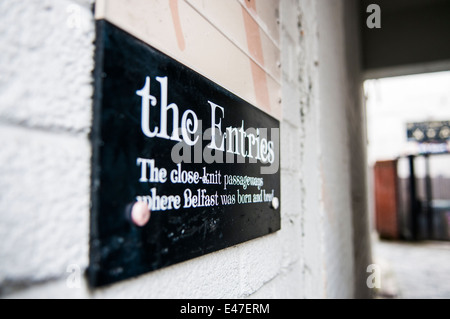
{"x":45,"y":117}
{"x":44,"y":202}
{"x":46,"y":61}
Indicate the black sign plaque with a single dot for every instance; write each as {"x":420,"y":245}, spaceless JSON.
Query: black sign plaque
{"x":181,"y":166}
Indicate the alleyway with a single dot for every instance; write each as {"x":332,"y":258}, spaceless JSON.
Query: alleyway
{"x":413,"y":270}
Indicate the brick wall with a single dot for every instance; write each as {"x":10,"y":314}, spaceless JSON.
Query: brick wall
{"x":45,"y":118}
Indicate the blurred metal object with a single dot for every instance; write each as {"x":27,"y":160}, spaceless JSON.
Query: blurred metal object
{"x":140,"y":214}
